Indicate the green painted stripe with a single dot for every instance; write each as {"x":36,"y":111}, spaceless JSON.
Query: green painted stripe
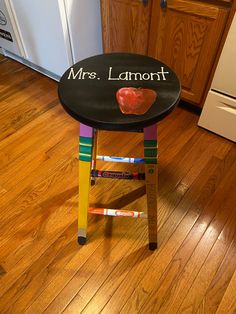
{"x":150,"y":161}
{"x":85,"y":149}
{"x":85,"y":158}
{"x":89,"y":145}
{"x":150,"y":152}
{"x":150,"y":143}
{"x":85,"y":140}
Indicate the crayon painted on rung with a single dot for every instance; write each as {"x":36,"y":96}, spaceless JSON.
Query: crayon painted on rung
{"x":121,"y":159}
{"x":118,"y":175}
{"x":117,"y":212}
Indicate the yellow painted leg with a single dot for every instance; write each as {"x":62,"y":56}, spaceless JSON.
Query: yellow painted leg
{"x":84,"y":186}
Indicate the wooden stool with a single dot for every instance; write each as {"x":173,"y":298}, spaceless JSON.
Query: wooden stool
{"x":87,"y":92}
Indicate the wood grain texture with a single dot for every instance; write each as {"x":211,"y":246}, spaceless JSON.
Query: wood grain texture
{"x":219,"y":284}
{"x":197,"y":8}
{"x":186,"y":37}
{"x":228,"y":303}
{"x":42,"y":269}
{"x":125,"y":25}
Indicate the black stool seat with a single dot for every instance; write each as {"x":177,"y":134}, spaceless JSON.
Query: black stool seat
{"x":88,"y":89}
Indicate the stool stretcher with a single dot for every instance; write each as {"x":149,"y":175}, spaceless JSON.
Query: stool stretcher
{"x":117,"y":212}
{"x":121,"y":159}
{"x":117,"y":175}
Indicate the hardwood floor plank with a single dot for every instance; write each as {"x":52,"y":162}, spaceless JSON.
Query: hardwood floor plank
{"x":220,"y":282}
{"x":172,"y":293}
{"x":228,"y":302}
{"x":35,"y":273}
{"x":197,"y":291}
{"x":30,"y":139}
{"x":47,"y":268}
{"x":13,"y":121}
{"x":36,"y":243}
{"x":73,"y":269}
{"x":22,"y":188}
{"x":8,"y":67}
{"x":43,"y":164}
{"x":202,"y":189}
{"x":183,"y":254}
{"x":2,"y":271}
{"x":179,"y":178}
{"x":86,"y":286}
{"x":124,"y":264}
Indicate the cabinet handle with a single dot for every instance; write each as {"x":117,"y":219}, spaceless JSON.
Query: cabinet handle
{"x":163,"y":4}
{"x":144,"y":2}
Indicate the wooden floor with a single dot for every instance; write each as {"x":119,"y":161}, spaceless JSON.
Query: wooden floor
{"x":42,"y":269}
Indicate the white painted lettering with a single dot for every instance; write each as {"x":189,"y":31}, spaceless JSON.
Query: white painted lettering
{"x":163,"y":73}
{"x":110,"y":76}
{"x":124,"y":76}
{"x":84,"y":75}
{"x":146,"y":76}
{"x":74,"y":76}
{"x":153,"y":75}
{"x":92,"y":75}
{"x":137,"y":76}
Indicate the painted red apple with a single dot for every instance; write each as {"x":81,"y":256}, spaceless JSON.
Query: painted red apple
{"x":133,"y":100}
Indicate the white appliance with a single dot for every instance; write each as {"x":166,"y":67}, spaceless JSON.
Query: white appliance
{"x":50,"y":35}
{"x":9,"y":35}
{"x":219,"y":111}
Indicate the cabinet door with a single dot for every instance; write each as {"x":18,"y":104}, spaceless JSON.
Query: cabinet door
{"x":185,"y":35}
{"x":126,"y":25}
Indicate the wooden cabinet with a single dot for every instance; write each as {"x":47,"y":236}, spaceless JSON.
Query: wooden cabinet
{"x":125,"y":25}
{"x":186,"y":36}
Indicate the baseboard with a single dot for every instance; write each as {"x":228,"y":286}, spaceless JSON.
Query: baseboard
{"x":30,"y":64}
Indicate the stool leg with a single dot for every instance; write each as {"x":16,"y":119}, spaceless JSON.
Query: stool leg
{"x":85,"y":159}
{"x":94,"y":154}
{"x":151,"y":177}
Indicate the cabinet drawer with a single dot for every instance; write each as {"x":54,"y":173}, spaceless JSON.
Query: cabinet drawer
{"x":219,"y":115}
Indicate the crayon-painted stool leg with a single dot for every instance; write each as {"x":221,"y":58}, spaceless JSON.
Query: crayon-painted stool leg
{"x":150,"y":156}
{"x":94,"y":154}
{"x":85,"y":159}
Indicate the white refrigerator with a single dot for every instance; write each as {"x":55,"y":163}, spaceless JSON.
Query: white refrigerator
{"x":50,"y":35}
{"x":219,"y":111}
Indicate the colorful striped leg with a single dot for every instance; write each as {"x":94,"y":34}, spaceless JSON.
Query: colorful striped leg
{"x":85,"y":159}
{"x":94,"y":155}
{"x":150,"y":156}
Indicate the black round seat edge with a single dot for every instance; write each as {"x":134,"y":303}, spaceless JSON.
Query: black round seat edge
{"x":87,"y":90}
